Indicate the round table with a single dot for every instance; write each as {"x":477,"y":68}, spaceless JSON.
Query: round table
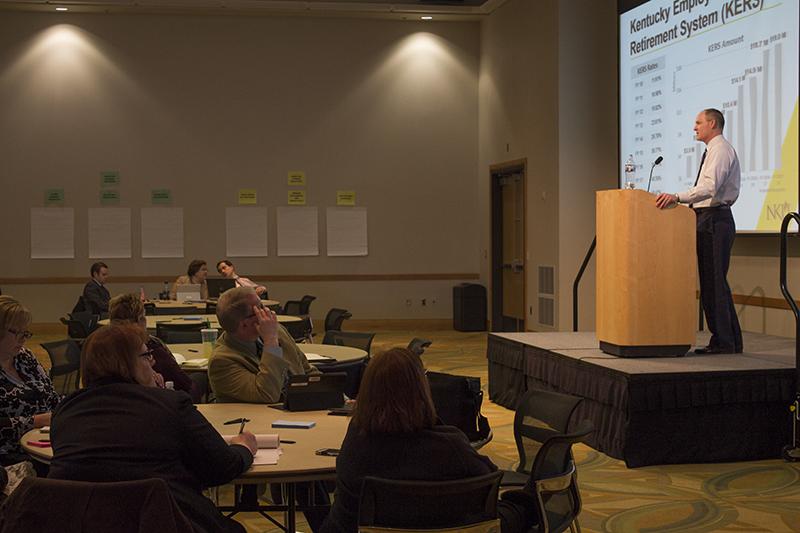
{"x":200,"y":306}
{"x":186,"y":319}
{"x":297,"y":463}
{"x":316,"y":353}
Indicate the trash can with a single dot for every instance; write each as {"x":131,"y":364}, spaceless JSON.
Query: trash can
{"x":469,"y":307}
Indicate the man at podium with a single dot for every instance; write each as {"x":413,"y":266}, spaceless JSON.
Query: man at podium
{"x":714,"y":192}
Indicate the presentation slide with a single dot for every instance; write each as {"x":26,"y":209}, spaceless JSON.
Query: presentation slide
{"x":678,"y":57}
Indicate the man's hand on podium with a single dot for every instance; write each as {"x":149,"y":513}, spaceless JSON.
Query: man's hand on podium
{"x":666,"y":200}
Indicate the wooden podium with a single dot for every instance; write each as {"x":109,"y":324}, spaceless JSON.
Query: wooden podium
{"x":646,"y":276}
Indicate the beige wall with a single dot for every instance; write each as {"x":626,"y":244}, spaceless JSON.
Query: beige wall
{"x":519,"y":119}
{"x":587,"y":134}
{"x":205,"y":105}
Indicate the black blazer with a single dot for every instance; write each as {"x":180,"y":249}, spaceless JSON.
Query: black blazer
{"x":96,"y":297}
{"x":438,"y":454}
{"x":124,"y":431}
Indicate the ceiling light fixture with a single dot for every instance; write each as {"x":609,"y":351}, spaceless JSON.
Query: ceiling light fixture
{"x":427,"y":17}
{"x":62,"y":9}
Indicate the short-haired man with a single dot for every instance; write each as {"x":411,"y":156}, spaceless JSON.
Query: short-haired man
{"x":95,"y":294}
{"x":714,"y":192}
{"x":254,"y":354}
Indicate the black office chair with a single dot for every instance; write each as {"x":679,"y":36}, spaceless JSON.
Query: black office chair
{"x":417,"y":346}
{"x":185,"y":310}
{"x":349,"y":338}
{"x":211,"y":308}
{"x":335,"y":318}
{"x":305,"y":304}
{"x":41,"y":504}
{"x":65,"y":364}
{"x":300,"y":330}
{"x":149,"y":309}
{"x":353,"y":369}
{"x":80,"y":325}
{"x":180,"y":333}
{"x":292,"y":307}
{"x":552,"y":488}
{"x":540,"y":415}
{"x":460,"y":503}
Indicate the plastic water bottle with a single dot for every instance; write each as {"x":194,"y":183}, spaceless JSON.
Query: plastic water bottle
{"x":630,"y":173}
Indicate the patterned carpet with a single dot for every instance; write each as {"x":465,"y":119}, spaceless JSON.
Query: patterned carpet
{"x":761,"y":496}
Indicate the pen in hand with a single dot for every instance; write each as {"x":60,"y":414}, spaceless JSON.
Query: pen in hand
{"x":241,"y":427}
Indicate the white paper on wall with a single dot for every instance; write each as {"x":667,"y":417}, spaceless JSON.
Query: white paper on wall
{"x":298,"y":232}
{"x":162,"y":232}
{"x":109,"y":232}
{"x":246,"y":231}
{"x":347,"y":231}
{"x":52,"y":233}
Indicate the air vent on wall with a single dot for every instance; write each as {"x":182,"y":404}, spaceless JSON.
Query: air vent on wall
{"x":547,"y":311}
{"x":547,"y":280}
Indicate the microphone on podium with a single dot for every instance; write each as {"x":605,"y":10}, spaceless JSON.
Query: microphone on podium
{"x":656,"y":162}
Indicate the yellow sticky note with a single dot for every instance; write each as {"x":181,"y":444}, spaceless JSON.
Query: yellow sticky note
{"x":247,"y":197}
{"x":297,"y":197}
{"x":297,"y":178}
{"x":345,"y":197}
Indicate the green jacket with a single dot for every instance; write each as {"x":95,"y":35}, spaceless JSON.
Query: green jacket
{"x":237,"y":374}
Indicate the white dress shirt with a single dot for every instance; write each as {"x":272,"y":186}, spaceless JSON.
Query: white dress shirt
{"x":720,"y":177}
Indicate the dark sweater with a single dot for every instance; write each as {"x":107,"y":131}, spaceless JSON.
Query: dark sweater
{"x":125,"y":431}
{"x":437,"y":454}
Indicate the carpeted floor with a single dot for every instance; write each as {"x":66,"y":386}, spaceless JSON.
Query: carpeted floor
{"x":761,"y":496}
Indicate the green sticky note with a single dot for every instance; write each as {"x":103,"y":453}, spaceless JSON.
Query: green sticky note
{"x":297,"y":197}
{"x":110,"y":196}
{"x":161,"y":196}
{"x":345,"y":197}
{"x":54,"y":197}
{"x":109,"y":178}
{"x":247,"y":197}
{"x":297,"y":178}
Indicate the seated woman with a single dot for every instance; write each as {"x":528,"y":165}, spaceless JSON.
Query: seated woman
{"x":395,"y":434}
{"x":196,"y":274}
{"x":122,"y":427}
{"x":27,"y":393}
{"x":128,"y":309}
{"x":225,"y":268}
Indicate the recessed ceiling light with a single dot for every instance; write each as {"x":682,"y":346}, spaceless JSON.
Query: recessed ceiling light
{"x":62,"y":9}
{"x":427,"y":17}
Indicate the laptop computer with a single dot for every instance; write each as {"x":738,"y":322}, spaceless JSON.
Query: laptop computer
{"x":216,"y":286}
{"x":314,"y":392}
{"x":188,"y":292}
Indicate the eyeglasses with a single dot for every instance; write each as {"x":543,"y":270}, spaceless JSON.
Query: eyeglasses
{"x":148,"y":355}
{"x":260,"y":306}
{"x":21,"y":335}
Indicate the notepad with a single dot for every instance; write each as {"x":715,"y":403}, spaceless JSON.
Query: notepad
{"x":195,"y":363}
{"x":294,"y":424}
{"x":263,"y":440}
{"x":317,"y":357}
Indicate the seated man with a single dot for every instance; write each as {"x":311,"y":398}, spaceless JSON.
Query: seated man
{"x":249,"y":364}
{"x":95,"y":294}
{"x":254,"y":354}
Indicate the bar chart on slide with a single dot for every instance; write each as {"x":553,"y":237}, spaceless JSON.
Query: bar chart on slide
{"x":746,"y":68}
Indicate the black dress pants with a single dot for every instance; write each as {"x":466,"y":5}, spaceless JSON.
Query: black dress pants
{"x":716,"y":231}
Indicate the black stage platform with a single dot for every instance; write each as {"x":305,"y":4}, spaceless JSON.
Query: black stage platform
{"x":692,"y":409}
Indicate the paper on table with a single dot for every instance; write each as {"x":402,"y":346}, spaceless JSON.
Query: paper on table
{"x":109,"y":232}
{"x":267,"y":456}
{"x":195,"y":362}
{"x":317,"y":357}
{"x":298,"y":233}
{"x":347,"y":231}
{"x":162,"y":232}
{"x":52,"y":233}
{"x":263,"y":440}
{"x":179,"y":358}
{"x":246,"y":231}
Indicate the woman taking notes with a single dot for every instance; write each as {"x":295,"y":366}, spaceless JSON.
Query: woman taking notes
{"x":122,"y":427}
{"x":26,"y":392}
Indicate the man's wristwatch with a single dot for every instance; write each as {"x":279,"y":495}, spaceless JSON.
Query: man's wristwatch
{"x":677,"y":198}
